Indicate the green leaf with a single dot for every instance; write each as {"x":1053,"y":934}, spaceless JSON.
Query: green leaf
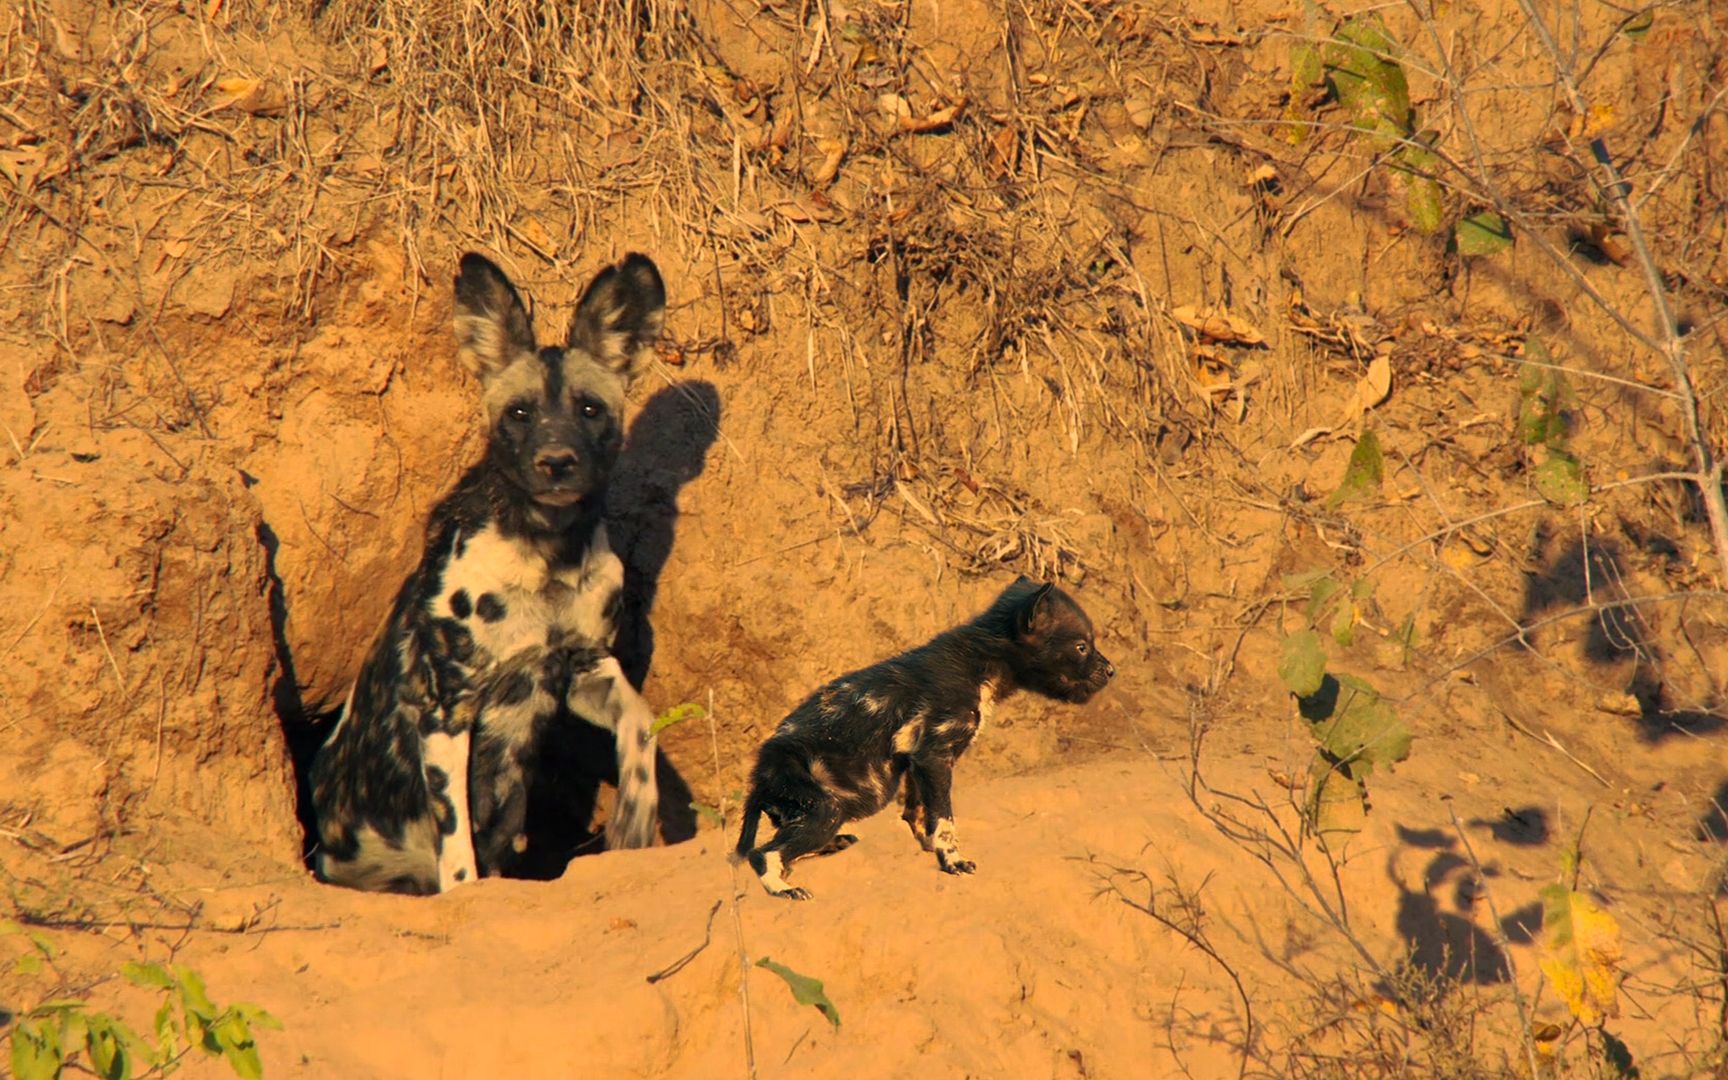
{"x":1363,"y":475}
{"x":710,"y":813}
{"x":1581,"y":953}
{"x":1483,"y":234}
{"x":74,"y":1031}
{"x":1306,"y":71}
{"x":677,"y":714}
{"x":1355,"y":725}
{"x":107,"y":1050}
{"x":166,"y":1039}
{"x":1336,"y":801}
{"x":193,"y":996}
{"x":38,"y":941}
{"x":36,"y":1053}
{"x":1305,"y":66}
{"x":1422,"y":195}
{"x":1305,"y":580}
{"x":805,"y":990}
{"x":1344,"y":624}
{"x":257,"y":1016}
{"x":1362,"y":67}
{"x":1324,"y":590}
{"x":234,"y":1038}
{"x":57,"y":1005}
{"x":1638,"y":25}
{"x":149,"y":976}
{"x":1560,"y":480}
{"x":1543,"y":399}
{"x":137,"y":1049}
{"x":1303,"y":665}
{"x":28,"y":964}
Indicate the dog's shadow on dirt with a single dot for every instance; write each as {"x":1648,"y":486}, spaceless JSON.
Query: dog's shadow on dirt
{"x":1444,"y":946}
{"x":667,"y":447}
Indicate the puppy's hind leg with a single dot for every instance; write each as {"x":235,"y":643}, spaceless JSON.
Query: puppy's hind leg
{"x":913,"y":814}
{"x":797,"y":838}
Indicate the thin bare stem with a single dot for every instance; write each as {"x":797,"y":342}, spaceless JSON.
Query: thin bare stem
{"x":1672,"y":344}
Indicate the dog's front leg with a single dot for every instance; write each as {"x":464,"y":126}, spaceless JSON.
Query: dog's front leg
{"x":934,"y":781}
{"x":445,"y":763}
{"x":602,"y":695}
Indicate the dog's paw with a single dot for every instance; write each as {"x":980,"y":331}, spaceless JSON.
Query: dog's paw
{"x":795,"y":892}
{"x":956,"y":866}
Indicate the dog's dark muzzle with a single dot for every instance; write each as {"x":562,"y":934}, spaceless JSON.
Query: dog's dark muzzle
{"x":1098,"y":676}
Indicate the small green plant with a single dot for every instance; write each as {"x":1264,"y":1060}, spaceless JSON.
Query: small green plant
{"x":1354,"y":730}
{"x":1358,"y":67}
{"x":64,"y":1033}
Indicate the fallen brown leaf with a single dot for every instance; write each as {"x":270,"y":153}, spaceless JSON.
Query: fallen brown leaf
{"x":1216,"y":324}
{"x":939,"y":120}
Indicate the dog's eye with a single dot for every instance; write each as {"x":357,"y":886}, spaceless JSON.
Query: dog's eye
{"x":590,"y":409}
{"x":518,"y":413}
{"x":1082,"y":648}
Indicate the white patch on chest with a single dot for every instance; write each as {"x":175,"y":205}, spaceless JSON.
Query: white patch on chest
{"x":513,"y":596}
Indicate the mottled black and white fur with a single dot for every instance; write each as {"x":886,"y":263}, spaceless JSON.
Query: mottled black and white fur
{"x":841,"y":755}
{"x":501,"y":637}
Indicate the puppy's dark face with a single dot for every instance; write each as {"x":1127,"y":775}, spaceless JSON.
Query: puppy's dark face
{"x":1056,"y":653}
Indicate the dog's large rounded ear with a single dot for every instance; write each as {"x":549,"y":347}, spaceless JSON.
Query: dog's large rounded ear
{"x":1034,"y":615}
{"x":492,"y":326}
{"x":620,"y":315}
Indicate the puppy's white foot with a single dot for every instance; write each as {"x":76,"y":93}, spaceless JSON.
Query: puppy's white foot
{"x":946,"y":843}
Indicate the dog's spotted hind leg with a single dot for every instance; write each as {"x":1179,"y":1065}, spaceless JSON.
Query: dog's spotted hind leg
{"x":913,"y":814}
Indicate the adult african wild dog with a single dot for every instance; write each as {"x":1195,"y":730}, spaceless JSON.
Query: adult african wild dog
{"x":500,"y":638}
{"x":841,"y":755}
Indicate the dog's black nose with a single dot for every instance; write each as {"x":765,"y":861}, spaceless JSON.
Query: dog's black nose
{"x":556,"y":463}
{"x":1109,"y":670}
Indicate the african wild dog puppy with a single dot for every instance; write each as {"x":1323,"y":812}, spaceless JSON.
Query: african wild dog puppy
{"x":841,"y":754}
{"x":501,"y":636}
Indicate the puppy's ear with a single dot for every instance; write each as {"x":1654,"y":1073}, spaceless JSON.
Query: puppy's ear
{"x":1034,"y":615}
{"x":620,"y":315}
{"x":492,"y":326}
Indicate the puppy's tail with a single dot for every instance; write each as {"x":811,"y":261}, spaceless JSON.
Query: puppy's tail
{"x":753,"y":811}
